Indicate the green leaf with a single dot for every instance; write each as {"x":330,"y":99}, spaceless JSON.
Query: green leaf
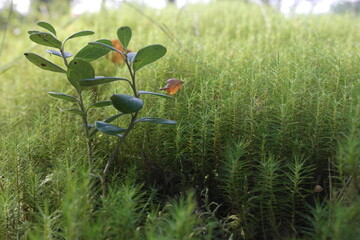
{"x":47,"y":26}
{"x":100,"y":80}
{"x":43,"y":63}
{"x":104,"y":46}
{"x":63,"y":96}
{"x":112,"y":118}
{"x":155,"y":120}
{"x":148,"y":55}
{"x":74,"y":111}
{"x":58,"y":53}
{"x":46,"y":39}
{"x":79,"y":69}
{"x":100,"y":104}
{"x":90,"y":53}
{"x":33,"y":31}
{"x":157,"y":94}
{"x":124,"y":35}
{"x":126,"y":103}
{"x":107,"y":120}
{"x":79,"y":34}
{"x":108,"y":128}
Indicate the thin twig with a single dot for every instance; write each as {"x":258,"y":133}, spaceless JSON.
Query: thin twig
{"x":86,"y":127}
{"x":64,"y":57}
{"x":265,"y":15}
{"x":6,"y":26}
{"x":163,"y":27}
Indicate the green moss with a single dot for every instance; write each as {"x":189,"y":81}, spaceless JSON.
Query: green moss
{"x":288,"y":87}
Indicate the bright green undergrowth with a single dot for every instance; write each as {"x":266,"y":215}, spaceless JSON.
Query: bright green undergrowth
{"x":269,"y":110}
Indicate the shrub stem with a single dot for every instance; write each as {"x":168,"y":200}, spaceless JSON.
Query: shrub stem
{"x":84,"y":116}
{"x":132,"y":122}
{"x":120,"y":142}
{"x":86,"y":128}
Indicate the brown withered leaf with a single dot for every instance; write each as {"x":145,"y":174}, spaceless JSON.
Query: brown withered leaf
{"x":115,"y":56}
{"x":173,"y":85}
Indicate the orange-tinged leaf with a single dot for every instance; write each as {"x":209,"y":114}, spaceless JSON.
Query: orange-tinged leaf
{"x":173,"y":85}
{"x":116,"y":57}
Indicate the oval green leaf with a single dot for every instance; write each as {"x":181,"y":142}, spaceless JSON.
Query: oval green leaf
{"x":101,"y":45}
{"x":43,"y":63}
{"x":156,"y":94}
{"x":100,"y":80}
{"x":74,"y":111}
{"x":126,"y":103}
{"x":58,"y":53}
{"x":155,"y":120}
{"x":33,"y":31}
{"x":46,"y":39}
{"x":90,"y":53}
{"x":100,"y":104}
{"x":108,"y":128}
{"x":63,"y":96}
{"x":47,"y":26}
{"x":79,"y":34}
{"x":79,"y":69}
{"x":124,"y":34}
{"x":113,"y":117}
{"x":107,"y":120}
{"x":148,"y":55}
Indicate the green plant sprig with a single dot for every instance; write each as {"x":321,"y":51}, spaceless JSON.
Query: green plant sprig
{"x":77,"y":69}
{"x":81,"y":75}
{"x":128,"y":104}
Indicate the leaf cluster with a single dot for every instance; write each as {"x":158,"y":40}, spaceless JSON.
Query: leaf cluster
{"x":81,"y":75}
